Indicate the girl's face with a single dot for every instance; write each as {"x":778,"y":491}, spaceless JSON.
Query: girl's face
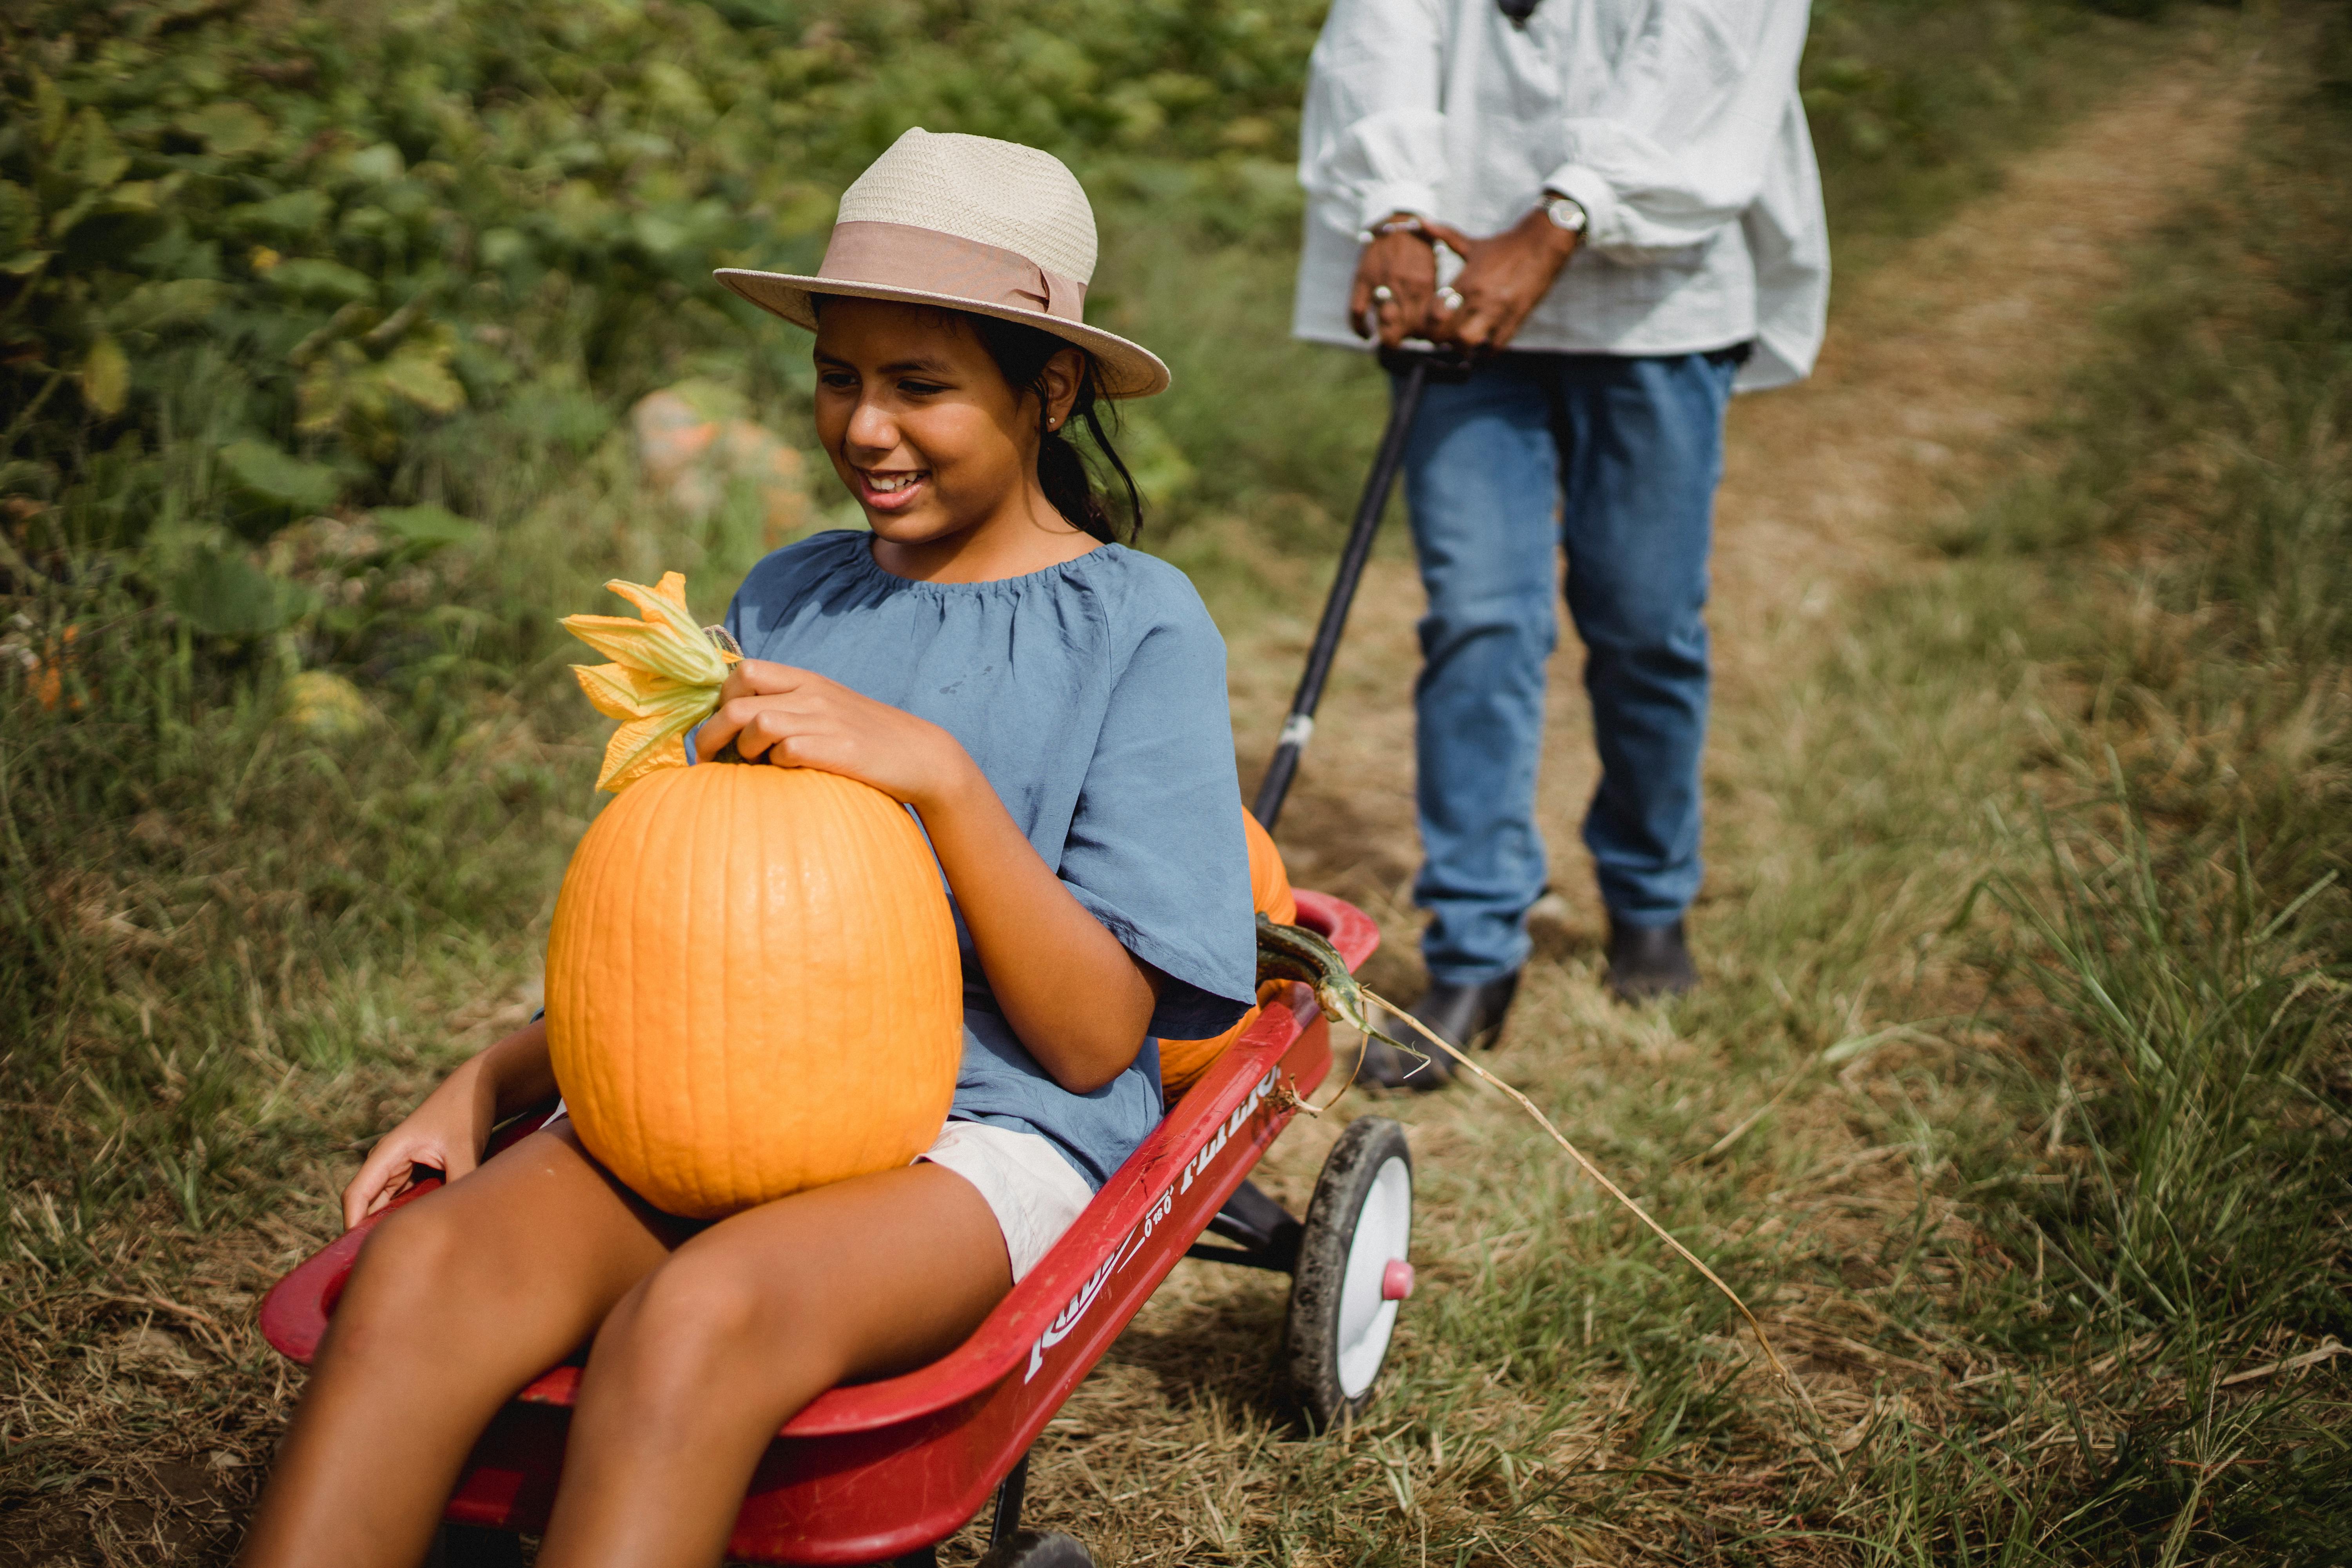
{"x":937,"y":447}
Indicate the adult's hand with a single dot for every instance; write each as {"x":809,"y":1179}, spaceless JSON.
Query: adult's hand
{"x":1404,"y":263}
{"x":1502,"y":279}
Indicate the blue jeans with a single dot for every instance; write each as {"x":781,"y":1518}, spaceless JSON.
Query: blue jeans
{"x":1615,"y":459}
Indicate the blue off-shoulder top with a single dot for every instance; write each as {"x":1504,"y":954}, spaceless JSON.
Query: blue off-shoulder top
{"x":1092,"y":695}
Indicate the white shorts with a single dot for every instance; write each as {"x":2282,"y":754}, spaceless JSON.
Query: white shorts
{"x":1035,"y":1193}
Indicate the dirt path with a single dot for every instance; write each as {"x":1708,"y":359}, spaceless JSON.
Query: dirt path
{"x":1935,"y":359}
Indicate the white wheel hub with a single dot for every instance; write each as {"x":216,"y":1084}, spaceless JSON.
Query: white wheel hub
{"x":1367,"y":1313}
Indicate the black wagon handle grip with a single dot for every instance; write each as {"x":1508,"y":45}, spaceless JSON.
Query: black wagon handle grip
{"x":1414,"y":368}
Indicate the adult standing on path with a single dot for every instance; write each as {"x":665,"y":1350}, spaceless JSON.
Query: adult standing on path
{"x":1657,"y":237}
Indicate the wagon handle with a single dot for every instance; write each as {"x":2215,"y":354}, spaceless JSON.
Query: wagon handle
{"x":1413,"y":369}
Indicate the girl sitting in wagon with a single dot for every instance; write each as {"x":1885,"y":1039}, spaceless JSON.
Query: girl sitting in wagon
{"x":1054,"y":707}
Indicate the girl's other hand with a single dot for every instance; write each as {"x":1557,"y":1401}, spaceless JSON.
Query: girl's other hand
{"x":796,"y":719}
{"x":446,"y":1133}
{"x":449,"y":1133}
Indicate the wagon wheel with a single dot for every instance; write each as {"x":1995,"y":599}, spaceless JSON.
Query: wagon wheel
{"x":1352,"y":1270}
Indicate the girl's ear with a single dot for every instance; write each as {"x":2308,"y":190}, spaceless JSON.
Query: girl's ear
{"x":1059,"y":381}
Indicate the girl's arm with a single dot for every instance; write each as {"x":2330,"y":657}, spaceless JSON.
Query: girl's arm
{"x":1077,"y":999}
{"x":451,"y":1129}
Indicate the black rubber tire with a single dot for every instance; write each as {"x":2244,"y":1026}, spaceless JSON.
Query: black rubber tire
{"x":1311,"y":1334}
{"x":1031,"y":1549}
{"x":466,"y":1546}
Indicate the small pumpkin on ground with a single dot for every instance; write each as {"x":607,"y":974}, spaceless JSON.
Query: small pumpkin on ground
{"x":1182,"y":1062}
{"x":752,"y":983}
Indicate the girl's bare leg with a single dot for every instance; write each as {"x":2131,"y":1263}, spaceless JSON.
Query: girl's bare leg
{"x":749,"y":1320}
{"x":456,"y":1301}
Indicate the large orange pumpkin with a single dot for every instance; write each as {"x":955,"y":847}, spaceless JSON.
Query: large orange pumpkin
{"x":1182,"y":1062}
{"x":752,"y":987}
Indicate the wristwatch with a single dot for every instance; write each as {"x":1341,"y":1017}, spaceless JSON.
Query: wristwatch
{"x":1566,"y":212}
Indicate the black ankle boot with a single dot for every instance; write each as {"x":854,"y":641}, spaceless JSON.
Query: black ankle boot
{"x":1649,"y":962}
{"x":1465,"y":1015}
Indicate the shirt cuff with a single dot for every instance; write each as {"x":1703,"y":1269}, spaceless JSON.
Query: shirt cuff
{"x":1604,"y":215}
{"x":1396,"y":196}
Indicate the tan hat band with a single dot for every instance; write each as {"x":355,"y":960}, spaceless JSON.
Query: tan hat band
{"x":901,"y":255}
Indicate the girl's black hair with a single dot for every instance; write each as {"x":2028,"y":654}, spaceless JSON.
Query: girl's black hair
{"x":1022,"y":351}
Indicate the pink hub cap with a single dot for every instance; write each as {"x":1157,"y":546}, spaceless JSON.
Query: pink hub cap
{"x":1396,"y":1281}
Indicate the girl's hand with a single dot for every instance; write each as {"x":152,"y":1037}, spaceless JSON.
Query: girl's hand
{"x":798,"y":720}
{"x":1033,"y":936}
{"x":446,"y":1133}
{"x":449,"y":1133}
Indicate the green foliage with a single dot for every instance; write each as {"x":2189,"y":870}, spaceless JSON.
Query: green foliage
{"x":319,"y":229}
{"x":225,"y":596}
{"x":323,"y":229}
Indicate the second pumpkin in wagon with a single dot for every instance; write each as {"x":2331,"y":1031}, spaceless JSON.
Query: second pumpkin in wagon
{"x":1182,"y":1062}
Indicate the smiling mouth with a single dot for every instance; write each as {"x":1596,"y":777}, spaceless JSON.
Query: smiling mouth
{"x":892,"y":484}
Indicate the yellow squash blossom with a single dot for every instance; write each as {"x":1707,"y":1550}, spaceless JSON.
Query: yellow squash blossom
{"x":664,"y":679}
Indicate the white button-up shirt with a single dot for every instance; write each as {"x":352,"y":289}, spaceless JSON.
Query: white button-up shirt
{"x":1675,"y":122}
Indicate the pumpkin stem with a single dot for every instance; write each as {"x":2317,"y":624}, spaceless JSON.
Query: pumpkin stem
{"x":724,"y":641}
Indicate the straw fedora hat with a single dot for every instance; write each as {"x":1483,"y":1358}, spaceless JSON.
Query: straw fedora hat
{"x":972,"y":224}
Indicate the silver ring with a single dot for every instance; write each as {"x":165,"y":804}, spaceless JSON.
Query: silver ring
{"x":1383,"y":293}
{"x":1450,"y":299}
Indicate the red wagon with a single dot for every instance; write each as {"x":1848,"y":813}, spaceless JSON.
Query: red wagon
{"x":881,"y":1473}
